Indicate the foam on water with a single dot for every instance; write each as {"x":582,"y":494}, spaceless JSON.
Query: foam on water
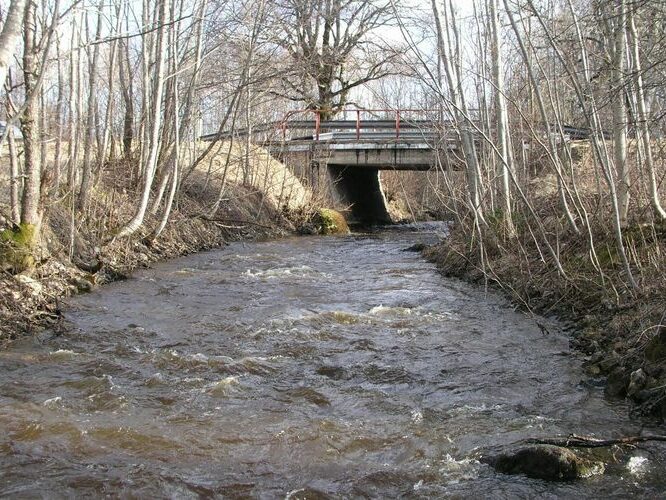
{"x":638,"y":465}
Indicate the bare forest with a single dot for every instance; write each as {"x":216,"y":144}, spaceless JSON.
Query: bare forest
{"x":497,"y":308}
{"x":556,"y":108}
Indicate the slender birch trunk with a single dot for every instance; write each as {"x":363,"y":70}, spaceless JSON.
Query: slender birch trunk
{"x":30,"y":206}
{"x":87,"y":173}
{"x":60,"y":105}
{"x":461,"y":116}
{"x":552,"y":147}
{"x":10,"y":34}
{"x":619,"y":106}
{"x":153,"y":146}
{"x":642,"y":115}
{"x":110,"y":108}
{"x":15,"y":177}
{"x":501,"y":117}
{"x":176,"y":130}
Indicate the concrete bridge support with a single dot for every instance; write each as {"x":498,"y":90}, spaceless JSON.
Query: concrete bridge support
{"x":361,"y":189}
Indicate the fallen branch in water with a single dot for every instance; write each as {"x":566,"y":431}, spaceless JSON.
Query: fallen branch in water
{"x":574,"y":441}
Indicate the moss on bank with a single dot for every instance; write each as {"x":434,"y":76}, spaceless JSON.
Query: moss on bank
{"x":17,"y":246}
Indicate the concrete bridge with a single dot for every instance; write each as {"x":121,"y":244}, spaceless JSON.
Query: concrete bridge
{"x":355,"y":151}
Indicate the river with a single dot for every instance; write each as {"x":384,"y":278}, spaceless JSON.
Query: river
{"x":303,"y":368}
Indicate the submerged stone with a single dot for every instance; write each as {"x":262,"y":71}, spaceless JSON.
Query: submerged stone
{"x":617,"y":383}
{"x":552,"y":463}
{"x":416,"y":247}
{"x":332,"y":372}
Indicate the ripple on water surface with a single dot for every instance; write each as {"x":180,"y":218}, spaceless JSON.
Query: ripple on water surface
{"x":305,"y":368}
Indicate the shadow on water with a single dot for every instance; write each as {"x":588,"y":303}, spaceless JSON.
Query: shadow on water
{"x":301,"y":368}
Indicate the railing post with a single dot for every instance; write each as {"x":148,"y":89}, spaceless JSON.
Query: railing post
{"x":358,"y":124}
{"x":397,"y":124}
{"x":317,"y":124}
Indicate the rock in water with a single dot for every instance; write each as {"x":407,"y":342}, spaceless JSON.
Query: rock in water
{"x":331,"y":222}
{"x":637,"y":381}
{"x":416,"y":247}
{"x":551,"y":463}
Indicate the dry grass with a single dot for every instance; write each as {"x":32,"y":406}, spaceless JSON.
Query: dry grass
{"x":228,"y":162}
{"x":615,"y":322}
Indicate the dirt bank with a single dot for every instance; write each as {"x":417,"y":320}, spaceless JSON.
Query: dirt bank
{"x":76,"y":253}
{"x":623,"y":337}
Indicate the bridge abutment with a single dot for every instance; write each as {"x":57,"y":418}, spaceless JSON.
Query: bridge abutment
{"x":361,"y":189}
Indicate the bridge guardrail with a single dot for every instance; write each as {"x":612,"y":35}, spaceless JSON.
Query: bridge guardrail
{"x":393,"y":120}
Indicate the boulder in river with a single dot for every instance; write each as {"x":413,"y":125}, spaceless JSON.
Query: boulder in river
{"x":331,"y":221}
{"x":552,"y":463}
{"x":637,"y":381}
{"x":416,"y":247}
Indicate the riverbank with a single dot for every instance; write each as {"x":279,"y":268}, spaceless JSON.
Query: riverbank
{"x":622,"y":336}
{"x":30,"y":300}
{"x":212,"y":209}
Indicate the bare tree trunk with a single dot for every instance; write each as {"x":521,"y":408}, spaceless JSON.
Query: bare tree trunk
{"x":86,"y":177}
{"x":30,"y":208}
{"x":155,"y":122}
{"x":501,"y":116}
{"x":60,"y":104}
{"x":642,"y":115}
{"x":102,"y":154}
{"x":9,"y":36}
{"x":552,"y":149}
{"x":148,"y":57}
{"x":618,"y":102}
{"x":462,"y":118}
{"x":592,"y":112}
{"x":74,"y":110}
{"x":127,"y":91}
{"x":176,"y":128}
{"x":15,"y":181}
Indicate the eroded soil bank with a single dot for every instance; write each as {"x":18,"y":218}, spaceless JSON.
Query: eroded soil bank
{"x":30,"y":300}
{"x":623,"y":337}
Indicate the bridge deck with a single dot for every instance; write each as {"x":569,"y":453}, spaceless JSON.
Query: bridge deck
{"x":396,"y":144}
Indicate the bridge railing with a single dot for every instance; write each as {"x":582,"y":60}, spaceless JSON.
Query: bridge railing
{"x":391,"y":121}
{"x":380,"y":119}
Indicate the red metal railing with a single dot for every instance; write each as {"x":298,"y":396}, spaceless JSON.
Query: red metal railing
{"x":398,"y":115}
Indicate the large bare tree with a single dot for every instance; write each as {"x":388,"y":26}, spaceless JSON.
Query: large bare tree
{"x":332,"y":47}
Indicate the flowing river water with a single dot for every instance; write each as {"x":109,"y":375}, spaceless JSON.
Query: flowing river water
{"x":301,"y":368}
